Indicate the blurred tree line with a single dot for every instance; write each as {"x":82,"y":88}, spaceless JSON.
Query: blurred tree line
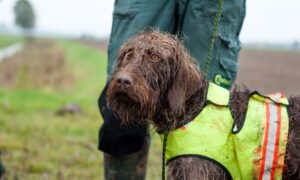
{"x":24,"y":16}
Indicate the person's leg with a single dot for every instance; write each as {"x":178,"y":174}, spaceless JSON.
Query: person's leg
{"x":125,"y":153}
{"x":125,"y":147}
{"x":197,"y":29}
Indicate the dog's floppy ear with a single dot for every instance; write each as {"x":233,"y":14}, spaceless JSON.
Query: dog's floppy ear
{"x":185,"y":81}
{"x":176,"y":98}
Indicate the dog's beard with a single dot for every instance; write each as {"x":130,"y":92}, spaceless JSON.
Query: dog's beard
{"x":128,"y":110}
{"x":132,"y":106}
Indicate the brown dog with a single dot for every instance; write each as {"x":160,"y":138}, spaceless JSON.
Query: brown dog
{"x":156,"y":80}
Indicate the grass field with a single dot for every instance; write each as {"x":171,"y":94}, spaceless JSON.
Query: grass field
{"x":35,"y":143}
{"x":9,"y":40}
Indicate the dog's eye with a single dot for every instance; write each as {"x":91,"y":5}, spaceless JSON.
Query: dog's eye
{"x":155,"y":57}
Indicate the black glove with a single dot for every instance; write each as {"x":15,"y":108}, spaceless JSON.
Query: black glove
{"x":117,"y":139}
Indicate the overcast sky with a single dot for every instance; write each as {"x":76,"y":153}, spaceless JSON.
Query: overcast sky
{"x":266,"y":20}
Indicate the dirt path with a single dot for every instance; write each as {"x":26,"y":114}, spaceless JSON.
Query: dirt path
{"x":10,"y":50}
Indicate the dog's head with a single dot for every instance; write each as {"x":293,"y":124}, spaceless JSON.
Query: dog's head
{"x":154,"y":75}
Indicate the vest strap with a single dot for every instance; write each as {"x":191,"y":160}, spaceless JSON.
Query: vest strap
{"x":218,"y":95}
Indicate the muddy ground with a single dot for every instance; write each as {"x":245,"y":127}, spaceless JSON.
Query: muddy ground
{"x":270,"y":71}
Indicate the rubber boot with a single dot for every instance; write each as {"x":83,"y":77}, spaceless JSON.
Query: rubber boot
{"x":128,"y":167}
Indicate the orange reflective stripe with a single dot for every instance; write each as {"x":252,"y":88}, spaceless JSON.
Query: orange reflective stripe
{"x":275,"y":158}
{"x":271,"y":141}
{"x":262,"y":167}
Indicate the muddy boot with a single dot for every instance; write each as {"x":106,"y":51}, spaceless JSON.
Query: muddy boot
{"x":127,"y":167}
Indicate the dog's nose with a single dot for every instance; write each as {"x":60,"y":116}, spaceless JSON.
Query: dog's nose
{"x":124,"y":80}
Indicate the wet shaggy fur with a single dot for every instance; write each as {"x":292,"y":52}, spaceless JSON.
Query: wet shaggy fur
{"x":157,"y":81}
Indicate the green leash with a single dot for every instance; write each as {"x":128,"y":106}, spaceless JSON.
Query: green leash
{"x":207,"y":66}
{"x":163,"y":176}
{"x":214,"y":36}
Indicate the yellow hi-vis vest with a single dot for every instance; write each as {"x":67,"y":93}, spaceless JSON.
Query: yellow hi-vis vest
{"x":256,"y":151}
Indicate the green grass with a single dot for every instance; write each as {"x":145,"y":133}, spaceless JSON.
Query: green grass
{"x":6,"y":40}
{"x":37,"y":144}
